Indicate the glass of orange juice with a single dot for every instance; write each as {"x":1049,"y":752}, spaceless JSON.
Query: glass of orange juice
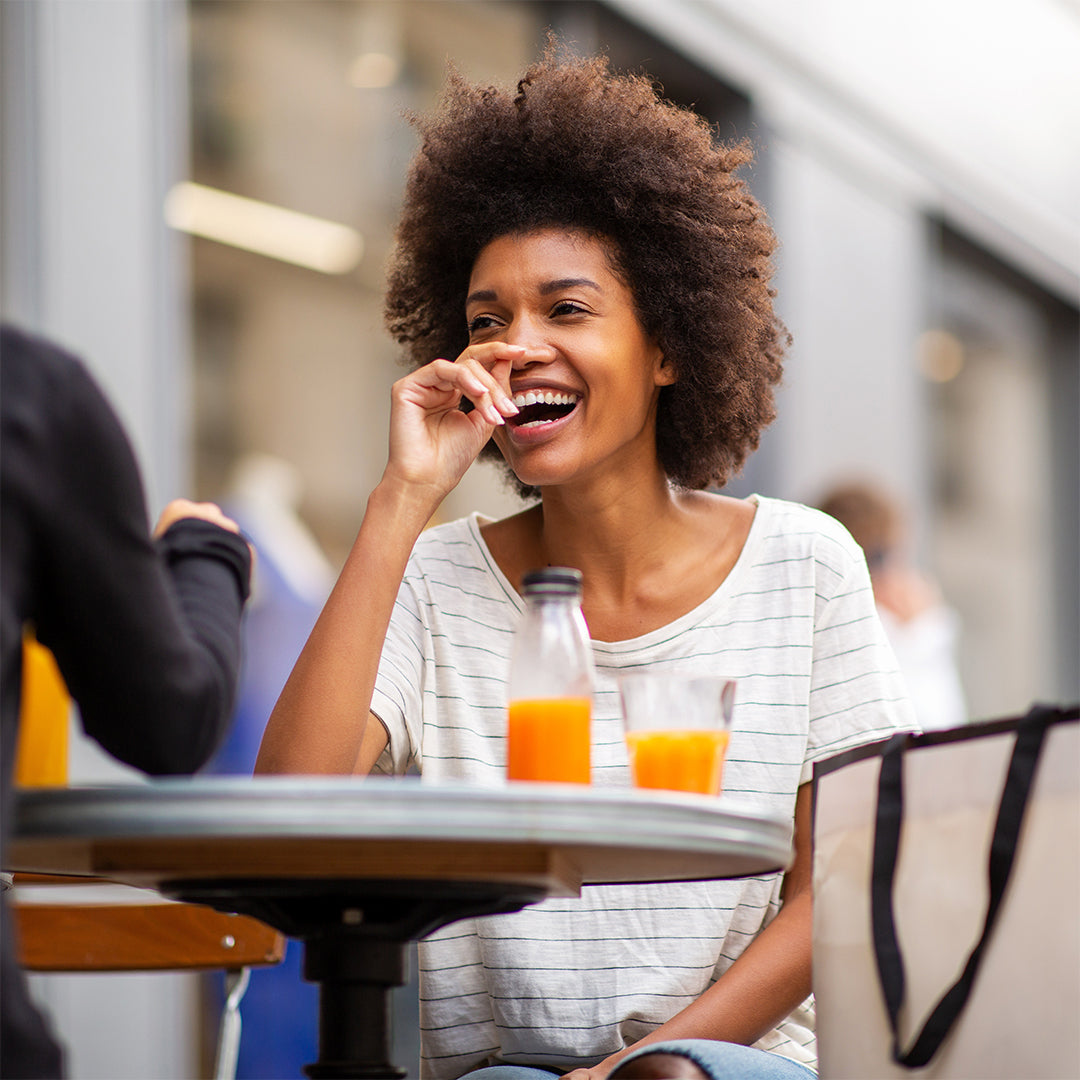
{"x":677,"y":729}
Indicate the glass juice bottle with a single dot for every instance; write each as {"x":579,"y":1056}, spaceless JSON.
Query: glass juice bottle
{"x":551,"y":681}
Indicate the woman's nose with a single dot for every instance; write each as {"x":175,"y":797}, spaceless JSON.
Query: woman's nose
{"x":538,"y":350}
{"x":534,"y":354}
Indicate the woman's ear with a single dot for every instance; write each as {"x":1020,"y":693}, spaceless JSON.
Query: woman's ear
{"x":665,"y":373}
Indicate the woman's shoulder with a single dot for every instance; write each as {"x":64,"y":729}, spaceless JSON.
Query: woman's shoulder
{"x":797,"y":543}
{"x":800,"y":527}
{"x":453,"y":555}
{"x":455,"y":541}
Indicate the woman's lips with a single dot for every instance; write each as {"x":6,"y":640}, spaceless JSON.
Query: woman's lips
{"x":539,"y":421}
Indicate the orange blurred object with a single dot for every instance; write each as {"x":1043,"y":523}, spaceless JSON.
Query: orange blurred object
{"x":550,"y":740}
{"x":678,"y":760}
{"x":41,"y":753}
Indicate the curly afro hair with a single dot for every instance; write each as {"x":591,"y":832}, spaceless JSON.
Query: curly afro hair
{"x":582,"y":148}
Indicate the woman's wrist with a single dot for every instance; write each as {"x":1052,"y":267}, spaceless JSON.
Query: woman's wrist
{"x":402,"y":504}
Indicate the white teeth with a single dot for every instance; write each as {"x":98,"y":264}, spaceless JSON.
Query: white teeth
{"x":544,"y":397}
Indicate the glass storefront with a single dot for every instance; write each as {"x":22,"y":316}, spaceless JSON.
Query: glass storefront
{"x":1001,"y":369}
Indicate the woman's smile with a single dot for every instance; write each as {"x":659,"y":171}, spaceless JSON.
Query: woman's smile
{"x":544,"y":412}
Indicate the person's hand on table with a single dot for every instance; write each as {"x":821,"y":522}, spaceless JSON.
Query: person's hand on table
{"x":179,"y":509}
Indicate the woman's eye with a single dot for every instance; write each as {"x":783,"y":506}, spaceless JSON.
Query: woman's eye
{"x":567,"y":307}
{"x":481,"y":322}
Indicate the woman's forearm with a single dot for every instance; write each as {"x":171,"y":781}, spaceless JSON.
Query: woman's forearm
{"x":768,"y":980}
{"x":318,"y":722}
{"x":762,"y":987}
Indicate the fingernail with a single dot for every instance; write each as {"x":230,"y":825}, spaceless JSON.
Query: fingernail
{"x":508,"y":405}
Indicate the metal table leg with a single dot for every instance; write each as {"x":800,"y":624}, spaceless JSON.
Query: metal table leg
{"x":356,"y":935}
{"x":228,"y":1048}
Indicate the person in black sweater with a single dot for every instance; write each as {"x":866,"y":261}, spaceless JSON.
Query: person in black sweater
{"x":145,"y":630}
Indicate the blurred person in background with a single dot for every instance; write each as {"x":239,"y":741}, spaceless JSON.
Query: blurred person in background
{"x":922,"y":628}
{"x":585,"y":251}
{"x":145,"y":628}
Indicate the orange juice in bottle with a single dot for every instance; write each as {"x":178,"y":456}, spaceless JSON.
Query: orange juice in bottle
{"x":41,"y":752}
{"x":551,"y":676}
{"x":548,"y":739}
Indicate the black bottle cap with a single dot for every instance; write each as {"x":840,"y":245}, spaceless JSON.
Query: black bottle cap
{"x":552,"y":581}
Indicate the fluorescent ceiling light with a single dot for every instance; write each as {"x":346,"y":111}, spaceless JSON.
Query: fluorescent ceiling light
{"x":268,"y":230}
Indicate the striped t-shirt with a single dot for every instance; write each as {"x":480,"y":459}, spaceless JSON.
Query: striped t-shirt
{"x":567,"y":982}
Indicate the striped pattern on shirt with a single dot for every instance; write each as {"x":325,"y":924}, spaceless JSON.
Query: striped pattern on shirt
{"x":567,"y":982}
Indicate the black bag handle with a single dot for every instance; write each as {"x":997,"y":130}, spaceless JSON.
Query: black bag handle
{"x":1030,"y":735}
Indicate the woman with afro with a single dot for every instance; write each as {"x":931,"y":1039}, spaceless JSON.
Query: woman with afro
{"x":581,"y":283}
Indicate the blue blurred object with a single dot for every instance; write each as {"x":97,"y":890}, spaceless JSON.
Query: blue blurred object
{"x":290,"y":583}
{"x":279,"y":1011}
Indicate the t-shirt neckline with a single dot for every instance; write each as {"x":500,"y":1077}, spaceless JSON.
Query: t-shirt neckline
{"x":661,"y":633}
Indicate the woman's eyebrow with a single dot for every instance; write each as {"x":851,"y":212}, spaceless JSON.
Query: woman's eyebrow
{"x":567,"y":283}
{"x":489,"y":296}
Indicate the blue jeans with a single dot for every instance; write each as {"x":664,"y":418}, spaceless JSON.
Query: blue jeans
{"x":718,"y":1060}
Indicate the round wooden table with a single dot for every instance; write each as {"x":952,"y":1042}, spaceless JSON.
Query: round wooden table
{"x":358,"y":868}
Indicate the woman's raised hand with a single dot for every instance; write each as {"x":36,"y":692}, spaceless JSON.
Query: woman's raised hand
{"x":432,"y":442}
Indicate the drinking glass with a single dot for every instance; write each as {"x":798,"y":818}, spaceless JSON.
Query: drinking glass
{"x":677,"y":729}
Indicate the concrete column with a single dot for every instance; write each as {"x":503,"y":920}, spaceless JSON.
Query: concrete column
{"x":93,"y":135}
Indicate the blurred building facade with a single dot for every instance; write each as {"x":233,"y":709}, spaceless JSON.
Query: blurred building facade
{"x":919,"y":161}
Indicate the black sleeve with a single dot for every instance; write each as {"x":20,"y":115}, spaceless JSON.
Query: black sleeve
{"x":147,"y":635}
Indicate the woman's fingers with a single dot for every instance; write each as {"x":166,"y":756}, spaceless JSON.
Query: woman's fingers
{"x":484,"y":379}
{"x":478,"y":386}
{"x":430,"y":438}
{"x":488,"y":373}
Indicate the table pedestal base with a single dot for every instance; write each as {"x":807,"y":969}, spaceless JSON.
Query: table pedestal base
{"x":355,"y":972}
{"x":355,"y":936}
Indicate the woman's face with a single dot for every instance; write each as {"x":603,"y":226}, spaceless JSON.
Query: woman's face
{"x":588,"y":383}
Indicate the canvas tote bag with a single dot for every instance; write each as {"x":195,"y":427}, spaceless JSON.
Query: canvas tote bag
{"x":947,"y":903}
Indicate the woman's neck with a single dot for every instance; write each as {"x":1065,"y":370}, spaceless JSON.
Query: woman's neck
{"x":612,"y":535}
{"x":648,"y":553}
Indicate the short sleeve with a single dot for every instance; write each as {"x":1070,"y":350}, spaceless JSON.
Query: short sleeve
{"x":399,"y":685}
{"x":857,"y":694}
